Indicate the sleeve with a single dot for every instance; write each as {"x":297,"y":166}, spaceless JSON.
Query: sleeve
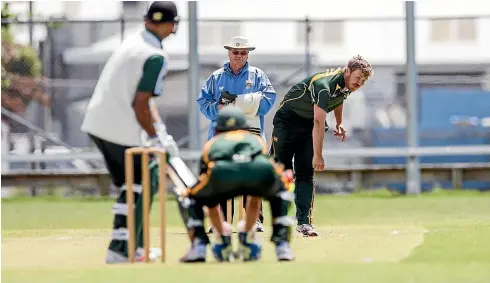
{"x":152,"y":78}
{"x":207,"y":104}
{"x":268,"y":95}
{"x":320,"y":92}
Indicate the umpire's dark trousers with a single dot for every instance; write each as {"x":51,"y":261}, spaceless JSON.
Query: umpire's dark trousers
{"x":292,"y":138}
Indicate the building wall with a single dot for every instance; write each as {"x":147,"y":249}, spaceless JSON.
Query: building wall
{"x":380,"y":41}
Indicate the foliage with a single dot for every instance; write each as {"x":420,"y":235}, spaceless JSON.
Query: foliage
{"x":21,"y":71}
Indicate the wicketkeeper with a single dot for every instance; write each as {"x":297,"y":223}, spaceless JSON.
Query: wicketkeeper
{"x":121,"y":108}
{"x":235,"y":162}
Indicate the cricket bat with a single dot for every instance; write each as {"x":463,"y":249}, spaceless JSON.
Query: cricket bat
{"x":183,"y":178}
{"x":180,"y":175}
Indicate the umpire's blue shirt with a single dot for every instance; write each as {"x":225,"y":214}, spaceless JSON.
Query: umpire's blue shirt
{"x":249,"y":80}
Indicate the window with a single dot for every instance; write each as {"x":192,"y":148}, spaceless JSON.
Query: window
{"x":453,"y":30}
{"x":466,"y":29}
{"x":322,"y":33}
{"x":216,"y":34}
{"x":441,"y":30}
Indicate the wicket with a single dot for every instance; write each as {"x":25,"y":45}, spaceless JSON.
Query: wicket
{"x":241,"y":210}
{"x":145,"y":192}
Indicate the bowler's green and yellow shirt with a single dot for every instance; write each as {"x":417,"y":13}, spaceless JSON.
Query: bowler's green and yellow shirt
{"x":326,"y":89}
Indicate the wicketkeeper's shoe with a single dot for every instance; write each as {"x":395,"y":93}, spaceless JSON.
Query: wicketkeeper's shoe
{"x":307,"y":230}
{"x":223,"y":249}
{"x":258,"y":226}
{"x":284,"y":252}
{"x":197,"y":253}
{"x":114,"y":257}
{"x":249,"y":248}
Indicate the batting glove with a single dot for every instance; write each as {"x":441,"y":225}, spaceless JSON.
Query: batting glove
{"x":163,"y":140}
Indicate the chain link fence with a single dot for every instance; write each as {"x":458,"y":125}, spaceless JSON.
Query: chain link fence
{"x":45,"y":83}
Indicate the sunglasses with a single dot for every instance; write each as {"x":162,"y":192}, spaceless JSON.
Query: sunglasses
{"x":236,"y":52}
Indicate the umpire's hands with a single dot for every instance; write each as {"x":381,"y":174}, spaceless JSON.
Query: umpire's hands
{"x":227,"y":98}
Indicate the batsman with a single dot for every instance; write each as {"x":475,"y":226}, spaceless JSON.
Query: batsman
{"x":122,"y":107}
{"x":235,"y":162}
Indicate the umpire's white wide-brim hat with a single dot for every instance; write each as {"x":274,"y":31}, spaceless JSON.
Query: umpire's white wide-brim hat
{"x":239,"y":42}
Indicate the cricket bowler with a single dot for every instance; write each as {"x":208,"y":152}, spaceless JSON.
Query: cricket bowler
{"x":299,"y":127}
{"x":121,"y":108}
{"x":235,"y":162}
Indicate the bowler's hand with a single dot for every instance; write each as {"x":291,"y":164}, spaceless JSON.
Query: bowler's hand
{"x":340,"y":132}
{"x":318,"y":163}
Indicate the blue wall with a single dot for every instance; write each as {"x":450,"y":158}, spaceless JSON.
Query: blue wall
{"x":437,"y":106}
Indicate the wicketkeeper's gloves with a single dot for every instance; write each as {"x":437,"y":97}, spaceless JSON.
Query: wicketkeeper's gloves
{"x":227,"y":98}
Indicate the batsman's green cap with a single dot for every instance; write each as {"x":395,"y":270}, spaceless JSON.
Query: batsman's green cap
{"x":230,"y":118}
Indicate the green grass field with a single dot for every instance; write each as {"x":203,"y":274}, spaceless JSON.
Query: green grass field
{"x":434,"y":238}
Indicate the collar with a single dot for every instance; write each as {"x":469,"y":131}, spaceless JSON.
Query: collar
{"x":341,"y":81}
{"x":227,"y":68}
{"x":152,"y":38}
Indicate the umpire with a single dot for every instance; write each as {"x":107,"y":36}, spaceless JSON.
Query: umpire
{"x":245,"y":86}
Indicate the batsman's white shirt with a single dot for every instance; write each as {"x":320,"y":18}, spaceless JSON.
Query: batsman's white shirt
{"x":110,"y":115}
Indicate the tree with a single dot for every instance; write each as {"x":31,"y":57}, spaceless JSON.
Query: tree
{"x":21,"y":72}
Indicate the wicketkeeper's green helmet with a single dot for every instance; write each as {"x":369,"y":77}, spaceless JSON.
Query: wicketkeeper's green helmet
{"x":230,"y":118}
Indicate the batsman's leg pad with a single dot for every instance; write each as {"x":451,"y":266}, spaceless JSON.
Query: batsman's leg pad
{"x":282,"y":229}
{"x":280,"y":203}
{"x":195,"y":224}
{"x":120,"y":232}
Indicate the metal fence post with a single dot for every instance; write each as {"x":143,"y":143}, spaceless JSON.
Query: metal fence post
{"x":123,"y":22}
{"x":413,"y":166}
{"x":307,"y":46}
{"x":194,"y":82}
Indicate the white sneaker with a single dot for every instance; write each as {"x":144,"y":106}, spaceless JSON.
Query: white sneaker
{"x":284,"y":252}
{"x":114,"y":257}
{"x":307,"y":230}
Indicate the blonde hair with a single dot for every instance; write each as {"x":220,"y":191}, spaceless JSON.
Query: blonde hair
{"x":359,"y":63}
